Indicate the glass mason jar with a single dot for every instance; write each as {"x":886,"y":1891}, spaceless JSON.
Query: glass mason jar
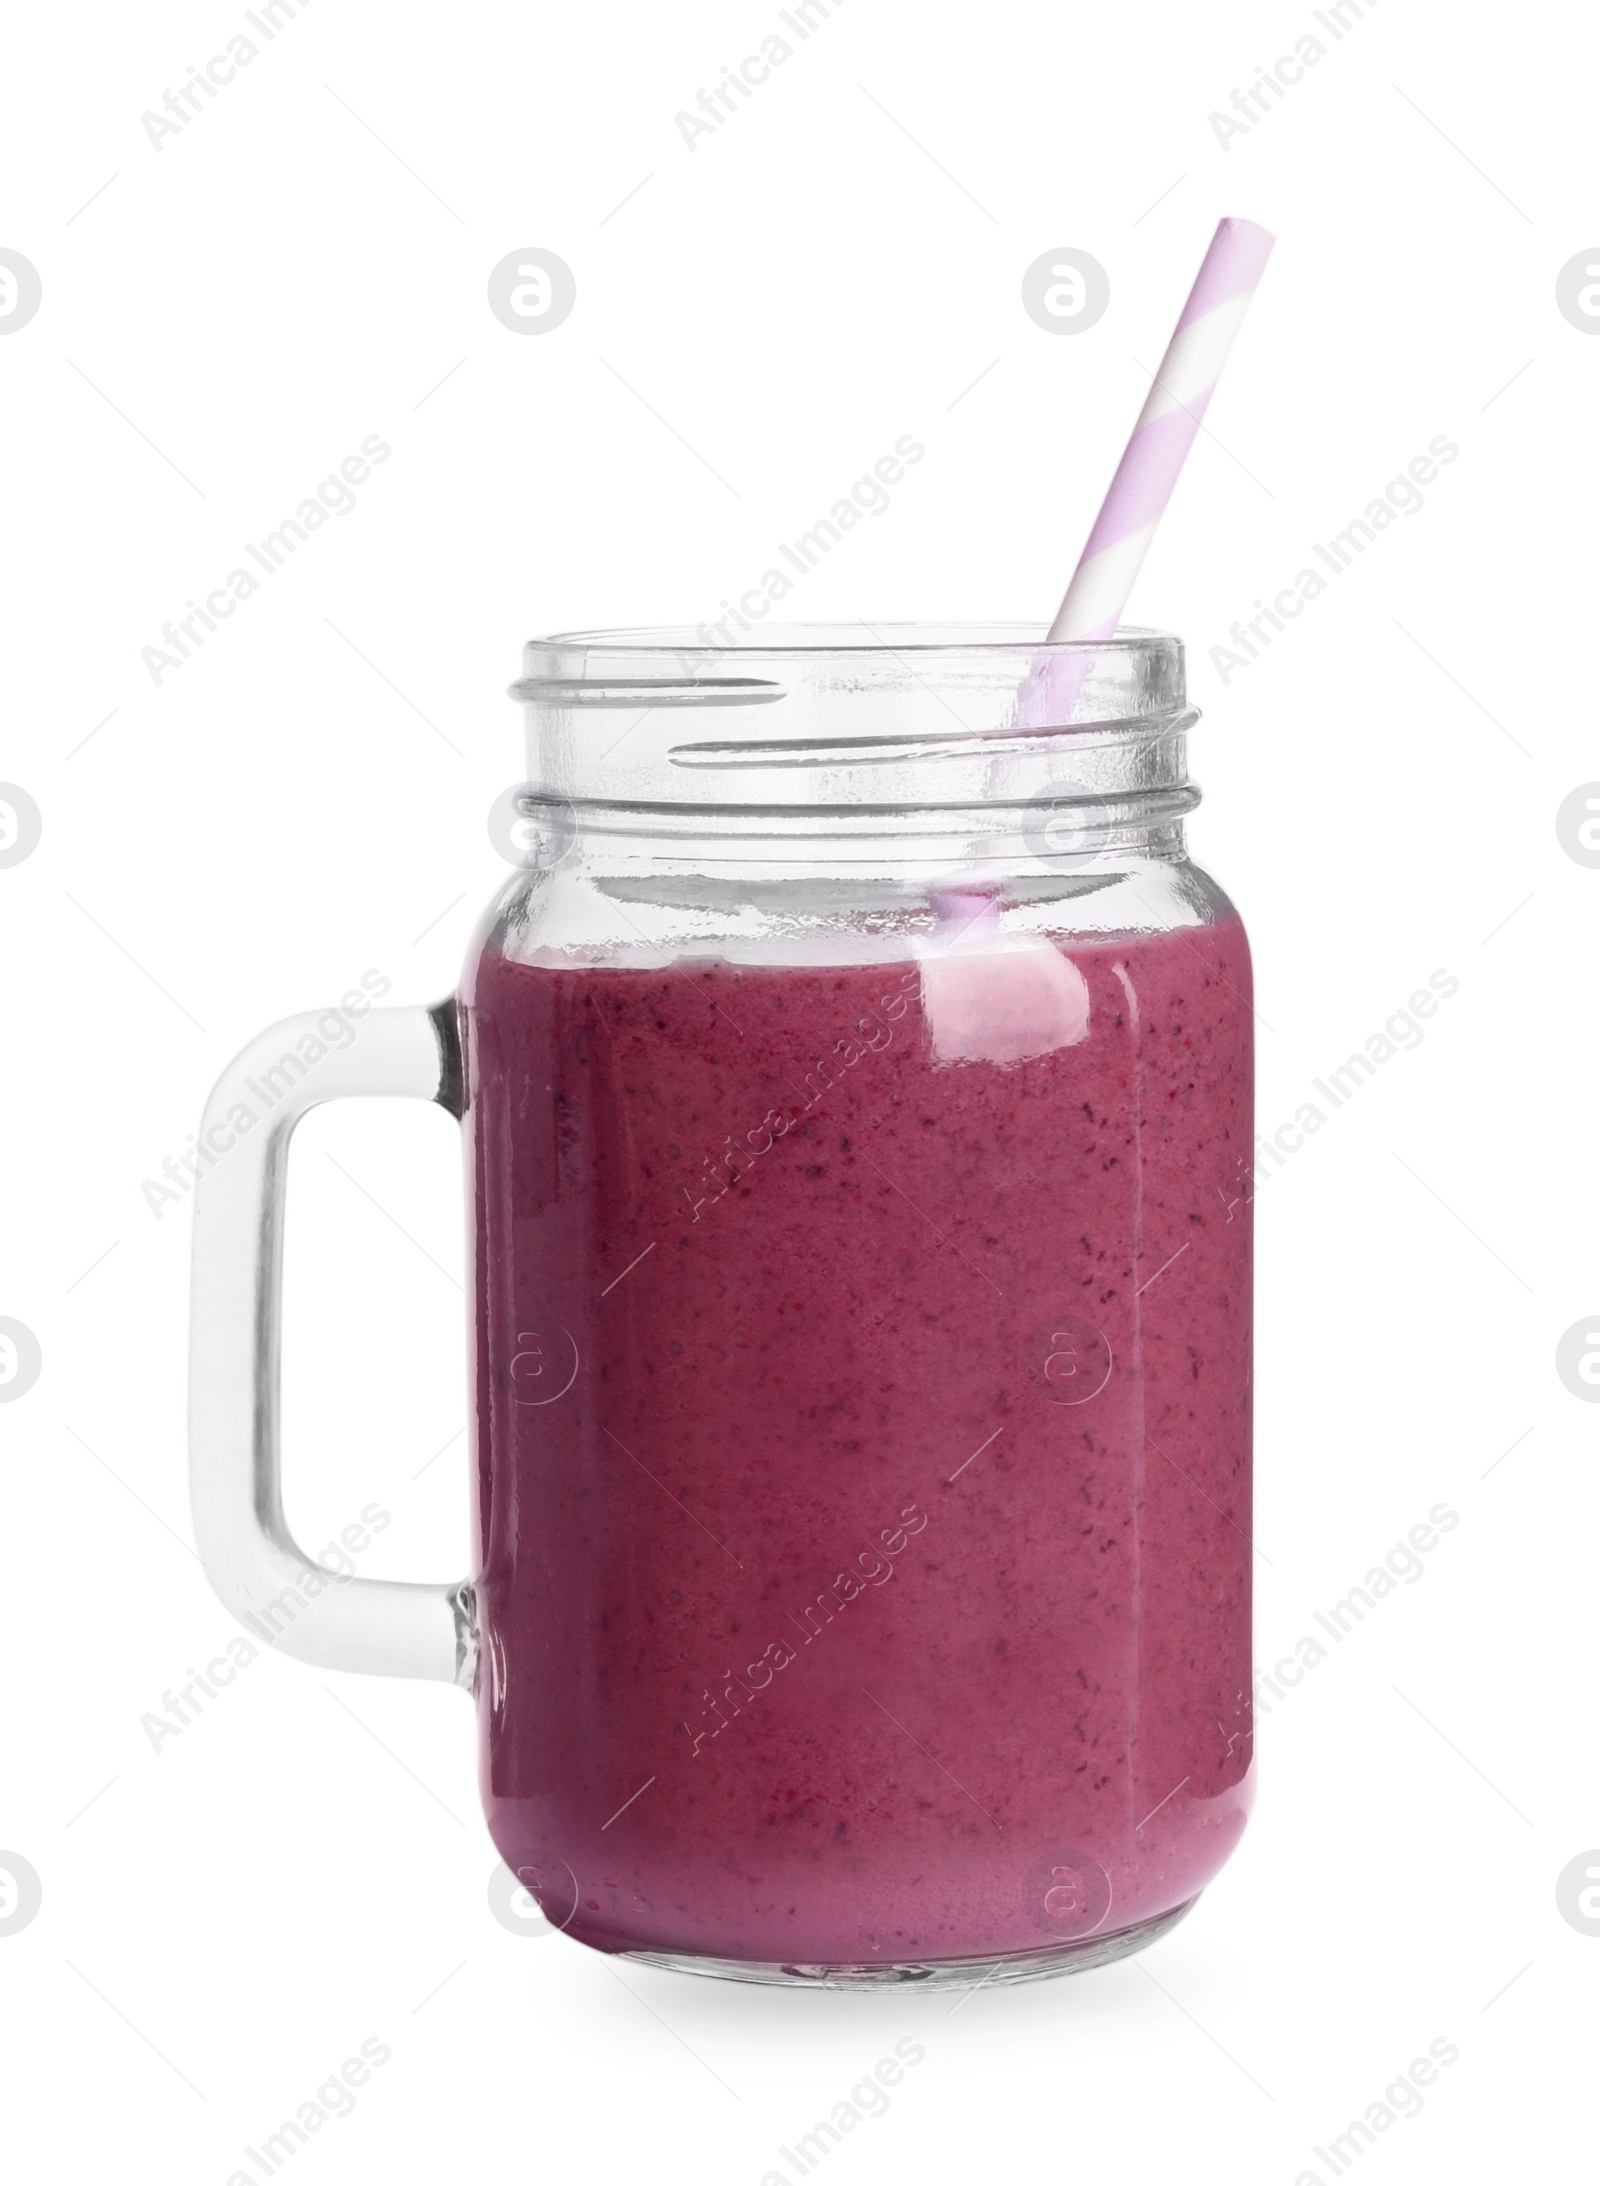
{"x":856,"y":1076}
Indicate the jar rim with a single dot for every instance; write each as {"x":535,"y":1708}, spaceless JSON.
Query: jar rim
{"x":812,"y":715}
{"x":806,"y":640}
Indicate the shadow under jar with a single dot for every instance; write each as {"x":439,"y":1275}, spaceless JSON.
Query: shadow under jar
{"x":857,"y":1082}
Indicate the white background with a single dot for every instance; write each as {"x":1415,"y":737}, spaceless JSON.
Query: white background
{"x":304,"y":265}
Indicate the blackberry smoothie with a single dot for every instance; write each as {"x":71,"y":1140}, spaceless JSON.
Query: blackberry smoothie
{"x":862,"y":1402}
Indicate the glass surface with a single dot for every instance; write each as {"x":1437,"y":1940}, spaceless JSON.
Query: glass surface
{"x":858,"y":1102}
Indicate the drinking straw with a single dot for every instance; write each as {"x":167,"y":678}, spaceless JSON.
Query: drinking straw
{"x":1167,"y":425}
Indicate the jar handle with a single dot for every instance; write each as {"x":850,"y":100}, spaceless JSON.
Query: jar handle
{"x":388,"y":1627}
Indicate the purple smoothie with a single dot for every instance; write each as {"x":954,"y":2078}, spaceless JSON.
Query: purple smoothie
{"x":863,"y":1438}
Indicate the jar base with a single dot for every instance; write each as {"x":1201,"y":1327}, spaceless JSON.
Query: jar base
{"x":1080,"y":1956}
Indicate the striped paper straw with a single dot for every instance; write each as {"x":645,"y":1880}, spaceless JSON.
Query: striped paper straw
{"x":1164,"y":434}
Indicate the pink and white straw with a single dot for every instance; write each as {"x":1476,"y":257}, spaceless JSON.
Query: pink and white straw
{"x":1165,"y":432}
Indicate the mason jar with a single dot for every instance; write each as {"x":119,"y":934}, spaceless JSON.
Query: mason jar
{"x":856,"y":1075}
